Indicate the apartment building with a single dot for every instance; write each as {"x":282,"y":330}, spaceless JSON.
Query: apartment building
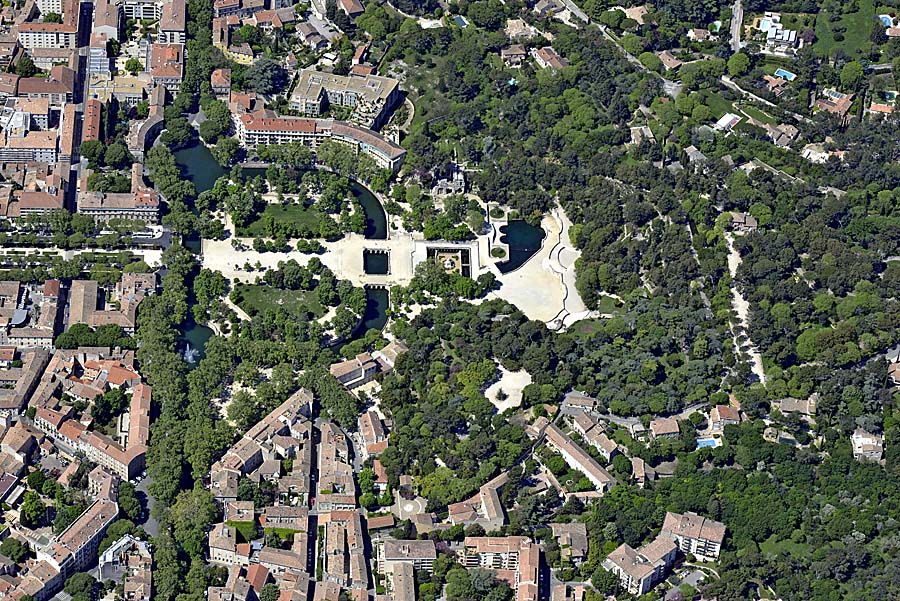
{"x":484,"y":508}
{"x":76,"y":548}
{"x":419,"y":553}
{"x":401,"y":583}
{"x":371,"y":97}
{"x":515,"y":560}
{"x":22,"y":146}
{"x":254,"y":129}
{"x":640,"y":570}
{"x":578,"y":459}
{"x":84,"y":305}
{"x":48,"y":35}
{"x":167,"y":65}
{"x":695,"y":534}
{"x":173,"y":23}
{"x":373,"y":432}
{"x":344,"y":560}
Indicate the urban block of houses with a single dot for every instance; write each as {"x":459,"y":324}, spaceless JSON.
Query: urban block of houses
{"x":344,"y":561}
{"x":337,"y":489}
{"x":124,"y":457}
{"x":363,"y":368}
{"x":484,"y":508}
{"x":374,"y":434}
{"x":285,"y":433}
{"x":85,"y":305}
{"x":579,"y":459}
{"x":140,"y":204}
{"x":129,"y":560}
{"x":371,"y":98}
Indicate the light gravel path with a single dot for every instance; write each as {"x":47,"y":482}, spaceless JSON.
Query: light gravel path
{"x":742,"y":308}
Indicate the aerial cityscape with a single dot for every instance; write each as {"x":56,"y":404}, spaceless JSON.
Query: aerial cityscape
{"x":449,"y":300}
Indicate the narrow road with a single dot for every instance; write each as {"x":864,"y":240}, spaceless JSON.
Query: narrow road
{"x":737,"y":19}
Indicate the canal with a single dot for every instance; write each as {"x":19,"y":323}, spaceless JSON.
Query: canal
{"x":200,"y":167}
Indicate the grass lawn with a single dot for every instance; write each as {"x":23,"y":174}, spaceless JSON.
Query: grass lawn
{"x":784,"y":547}
{"x":758,"y":114}
{"x":858,"y":24}
{"x":798,"y":21}
{"x":718,"y":106}
{"x":293,"y":213}
{"x":256,"y":297}
{"x":607,"y":304}
{"x":586,"y":327}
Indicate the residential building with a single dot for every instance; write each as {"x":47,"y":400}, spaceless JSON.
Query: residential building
{"x":664,"y":427}
{"x":640,"y":570}
{"x":695,"y":534}
{"x":420,"y":553}
{"x":514,"y":55}
{"x":58,"y":87}
{"x":723,"y":415}
{"x":867,"y":446}
{"x":670,"y":63}
{"x":371,"y":97}
{"x":167,"y":65}
{"x":547,"y":57}
{"x":141,"y":204}
{"x":355,"y":372}
{"x":743,"y":222}
{"x":834,"y":102}
{"x":572,"y":540}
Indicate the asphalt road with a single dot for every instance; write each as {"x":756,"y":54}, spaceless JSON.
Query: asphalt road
{"x":147,"y":501}
{"x":737,"y":18}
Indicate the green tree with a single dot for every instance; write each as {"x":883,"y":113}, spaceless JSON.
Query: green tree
{"x":134,"y":66}
{"x":25,"y":67}
{"x":117,"y":155}
{"x":266,"y":76}
{"x":852,"y":75}
{"x":14,"y":549}
{"x":33,"y":510}
{"x":738,"y":64}
{"x":269,"y":592}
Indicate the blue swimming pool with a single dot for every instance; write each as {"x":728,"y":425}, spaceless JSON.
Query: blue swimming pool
{"x":710,"y":443}
{"x":886,"y":20}
{"x":764,"y":24}
{"x":784,"y":73}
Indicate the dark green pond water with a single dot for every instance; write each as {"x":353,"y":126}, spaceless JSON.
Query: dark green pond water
{"x":524,"y":241}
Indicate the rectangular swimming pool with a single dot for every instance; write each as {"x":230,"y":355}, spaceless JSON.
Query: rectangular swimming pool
{"x":704,"y":443}
{"x":783,"y":73}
